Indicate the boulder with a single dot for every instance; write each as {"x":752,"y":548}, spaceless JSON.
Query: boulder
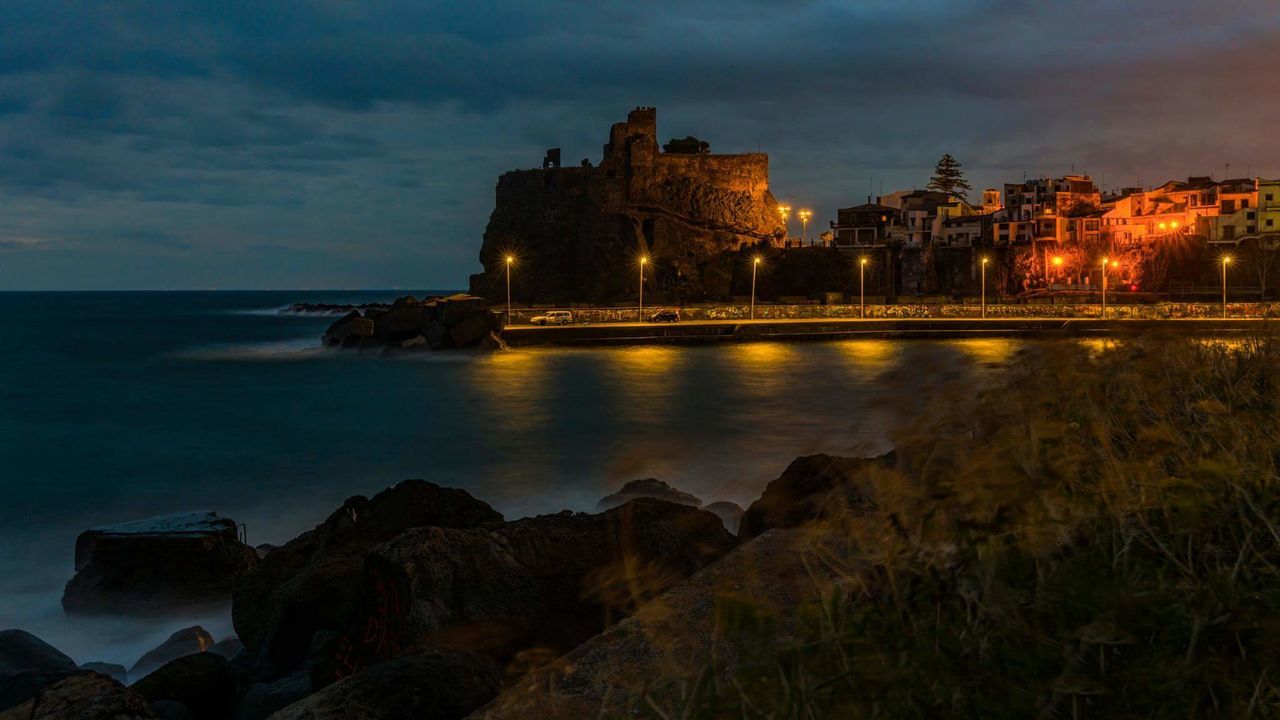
{"x":812,"y":487}
{"x":454,"y":309}
{"x":471,"y":329}
{"x":227,"y":647}
{"x":647,"y":488}
{"x":492,"y":341}
{"x":425,"y":686}
{"x":437,"y":336}
{"x":28,"y":665}
{"x":262,"y":699}
{"x":417,"y":342}
{"x":545,"y":583}
{"x":316,"y":581}
{"x":153,"y":565}
{"x":187,"y":641}
{"x":402,"y":322}
{"x":351,"y":325}
{"x":111,"y":670}
{"x":739,"y":611}
{"x":729,"y":513}
{"x":83,"y":696}
{"x":204,"y":683}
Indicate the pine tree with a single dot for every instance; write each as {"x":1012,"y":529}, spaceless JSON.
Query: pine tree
{"x":948,"y":177}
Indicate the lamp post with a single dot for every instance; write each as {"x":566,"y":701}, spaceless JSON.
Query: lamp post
{"x":1226,"y":260}
{"x":644,"y":260}
{"x":1104,"y":287}
{"x":984,"y":285}
{"x":755,"y":263}
{"x":1057,"y":266}
{"x":510,"y":260}
{"x":804,"y":225}
{"x":862,"y":287}
{"x":785,"y":212}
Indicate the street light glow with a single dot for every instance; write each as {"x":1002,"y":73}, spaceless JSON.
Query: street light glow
{"x":986,"y":260}
{"x":1057,"y":260}
{"x":863,"y":261}
{"x":1174,"y":224}
{"x":1226,"y":259}
{"x":644,"y":259}
{"x":510,"y":259}
{"x":757,"y":260}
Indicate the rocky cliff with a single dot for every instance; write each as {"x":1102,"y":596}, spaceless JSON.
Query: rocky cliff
{"x":576,"y":234}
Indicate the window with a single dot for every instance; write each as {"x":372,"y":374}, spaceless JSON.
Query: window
{"x":1249,"y":215}
{"x":1270,"y":222}
{"x":1244,"y":203}
{"x":1270,"y":197}
{"x":1228,"y":232}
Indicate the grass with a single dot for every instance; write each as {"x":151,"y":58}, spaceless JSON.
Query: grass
{"x":1099,"y":536}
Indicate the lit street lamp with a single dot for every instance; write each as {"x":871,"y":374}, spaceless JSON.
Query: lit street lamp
{"x":1226,"y":260}
{"x":785,"y":212}
{"x":984,"y":286}
{"x":510,"y":261}
{"x":1105,"y":263}
{"x":862,"y":287}
{"x":804,"y":225}
{"x":754,"y":264}
{"x":1057,"y":266}
{"x":644,"y":260}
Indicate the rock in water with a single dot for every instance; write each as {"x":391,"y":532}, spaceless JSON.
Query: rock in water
{"x":204,"y":683}
{"x":647,"y":488}
{"x":316,"y":581}
{"x":28,"y":665}
{"x":809,"y":488}
{"x":455,"y":321}
{"x":428,"y":686}
{"x":546,"y":582}
{"x":84,"y":696}
{"x":151,"y":566}
{"x":187,"y":641}
{"x":111,"y":670}
{"x":729,"y":513}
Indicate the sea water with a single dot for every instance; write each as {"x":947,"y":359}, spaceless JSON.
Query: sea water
{"x":117,"y":406}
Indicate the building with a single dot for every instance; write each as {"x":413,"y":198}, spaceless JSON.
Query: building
{"x":865,"y":225}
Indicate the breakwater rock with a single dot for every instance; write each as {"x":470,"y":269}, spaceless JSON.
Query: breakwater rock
{"x":453,"y":321}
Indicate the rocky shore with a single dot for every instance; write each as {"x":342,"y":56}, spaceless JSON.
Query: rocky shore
{"x":441,"y":323}
{"x":421,"y":601}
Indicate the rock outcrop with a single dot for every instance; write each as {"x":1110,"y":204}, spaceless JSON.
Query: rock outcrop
{"x":28,"y":665}
{"x":425,"y":686}
{"x":187,"y":641}
{"x":153,"y":565}
{"x":647,"y":488}
{"x":530,"y":588}
{"x":729,"y":513}
{"x":315,"y":582}
{"x":577,"y":231}
{"x":84,"y":696}
{"x":455,"y":321}
{"x":811,"y":487}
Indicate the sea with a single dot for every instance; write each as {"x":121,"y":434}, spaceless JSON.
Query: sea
{"x":115,"y":406}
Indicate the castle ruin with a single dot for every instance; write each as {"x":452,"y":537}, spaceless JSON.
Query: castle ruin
{"x":577,"y":232}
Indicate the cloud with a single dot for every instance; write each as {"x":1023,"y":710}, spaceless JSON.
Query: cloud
{"x":361,"y":141}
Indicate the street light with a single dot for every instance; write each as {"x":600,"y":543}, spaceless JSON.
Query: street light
{"x":804,"y":225}
{"x":1057,"y":266}
{"x":984,"y":285}
{"x":1106,"y":262}
{"x":755,"y":263}
{"x":1226,"y":260}
{"x":644,"y":260}
{"x":862,"y":286}
{"x":510,"y":261}
{"x":785,"y":212}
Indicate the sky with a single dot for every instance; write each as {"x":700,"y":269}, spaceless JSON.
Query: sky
{"x":315,"y":144}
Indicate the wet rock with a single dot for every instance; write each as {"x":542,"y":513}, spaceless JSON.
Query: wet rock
{"x":204,"y":683}
{"x":315,"y":582}
{"x":809,"y":488}
{"x":262,"y":699}
{"x":492,"y":341}
{"x":417,"y":342}
{"x":228,"y":647}
{"x":351,"y":325}
{"x":28,"y":665}
{"x":83,"y":696}
{"x":647,"y":488}
{"x":437,"y":336}
{"x":153,"y":565}
{"x":426,"y":686}
{"x":547,"y":582}
{"x":472,"y":329}
{"x":187,"y":641}
{"x":111,"y":670}
{"x":729,"y":513}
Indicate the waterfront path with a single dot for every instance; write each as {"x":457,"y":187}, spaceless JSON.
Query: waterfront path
{"x":704,"y":331}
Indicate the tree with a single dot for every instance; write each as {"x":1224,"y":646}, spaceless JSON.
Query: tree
{"x":688,"y":145}
{"x":948,"y":177}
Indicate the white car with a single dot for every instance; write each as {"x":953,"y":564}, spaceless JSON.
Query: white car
{"x":554,"y":317}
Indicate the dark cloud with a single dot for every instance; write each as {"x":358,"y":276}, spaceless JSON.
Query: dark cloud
{"x":332,"y":142}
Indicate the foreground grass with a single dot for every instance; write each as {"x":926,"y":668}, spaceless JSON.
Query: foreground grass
{"x":1097,"y":537}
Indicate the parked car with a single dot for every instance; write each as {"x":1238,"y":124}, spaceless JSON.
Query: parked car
{"x":553,"y":317}
{"x":665,"y":316}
